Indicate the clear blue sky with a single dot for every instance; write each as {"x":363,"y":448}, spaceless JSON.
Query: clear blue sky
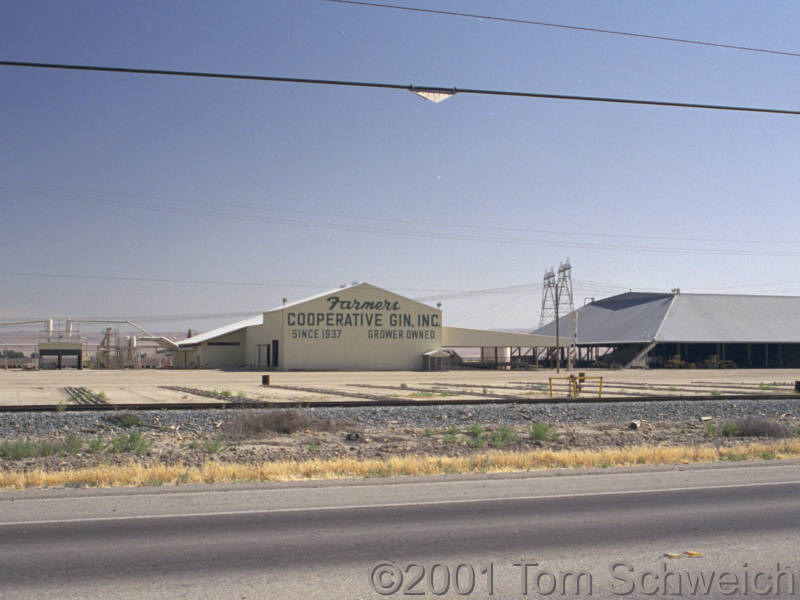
{"x":305,"y":187}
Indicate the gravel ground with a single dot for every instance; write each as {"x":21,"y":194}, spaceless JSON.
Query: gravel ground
{"x":23,"y":425}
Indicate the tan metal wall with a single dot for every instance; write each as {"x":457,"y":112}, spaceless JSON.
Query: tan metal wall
{"x":357,"y":328}
{"x":213,"y":356}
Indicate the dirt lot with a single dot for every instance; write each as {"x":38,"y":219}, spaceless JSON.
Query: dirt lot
{"x":153,"y":386}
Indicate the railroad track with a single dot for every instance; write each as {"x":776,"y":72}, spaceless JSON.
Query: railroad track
{"x":83,"y":397}
{"x":359,"y":400}
{"x":222,"y":397}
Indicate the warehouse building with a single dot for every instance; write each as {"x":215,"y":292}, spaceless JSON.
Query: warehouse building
{"x":356,"y":327}
{"x":637,"y":329}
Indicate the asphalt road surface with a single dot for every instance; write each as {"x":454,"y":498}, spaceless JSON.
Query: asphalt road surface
{"x":598,"y":534}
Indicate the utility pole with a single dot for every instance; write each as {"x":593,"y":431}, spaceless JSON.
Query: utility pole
{"x":558,"y":337}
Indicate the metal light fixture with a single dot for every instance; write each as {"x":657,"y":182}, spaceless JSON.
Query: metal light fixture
{"x":433,"y":94}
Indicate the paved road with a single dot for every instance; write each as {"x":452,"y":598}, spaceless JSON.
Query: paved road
{"x":323,"y":540}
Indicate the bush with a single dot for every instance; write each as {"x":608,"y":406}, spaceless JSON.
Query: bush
{"x":213,"y":445}
{"x":542,"y":432}
{"x":476,"y":442}
{"x":752,"y":427}
{"x":502,"y":436}
{"x":19,"y":449}
{"x":276,"y":421}
{"x":475,"y":430}
{"x":127,"y":420}
{"x":475,"y":433}
{"x":730,"y":430}
{"x":755,"y":427}
{"x":72,"y":444}
{"x":96,"y":445}
{"x":129,"y":442}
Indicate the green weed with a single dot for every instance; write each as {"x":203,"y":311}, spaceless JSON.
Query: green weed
{"x":475,"y":430}
{"x":213,"y":445}
{"x":730,"y":430}
{"x":72,"y":444}
{"x":735,"y":457}
{"x":542,"y":432}
{"x":128,"y":420}
{"x":96,"y":445}
{"x":129,"y":442}
{"x":503,"y":435}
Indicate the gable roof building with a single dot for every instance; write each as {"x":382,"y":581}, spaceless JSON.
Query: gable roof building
{"x":742,"y":328}
{"x":356,"y":327}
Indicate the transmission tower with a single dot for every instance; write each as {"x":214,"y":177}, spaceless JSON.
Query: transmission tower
{"x":557,"y":302}
{"x":557,"y":296}
{"x":548,"y":298}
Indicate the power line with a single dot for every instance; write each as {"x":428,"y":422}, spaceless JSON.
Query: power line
{"x":439,"y":235}
{"x":156,"y":280}
{"x":148,"y":318}
{"x":440,"y":224}
{"x":190,"y":281}
{"x":522,"y":288}
{"x":394,"y":86}
{"x":433,"y":235}
{"x":563,"y":26}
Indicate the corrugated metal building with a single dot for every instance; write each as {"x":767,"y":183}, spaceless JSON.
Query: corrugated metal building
{"x":637,"y":329}
{"x":357,"y":327}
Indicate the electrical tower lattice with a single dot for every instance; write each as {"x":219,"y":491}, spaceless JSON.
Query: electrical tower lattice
{"x":557,"y":294}
{"x":557,"y":302}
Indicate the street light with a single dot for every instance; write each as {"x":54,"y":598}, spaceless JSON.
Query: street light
{"x":433,"y":94}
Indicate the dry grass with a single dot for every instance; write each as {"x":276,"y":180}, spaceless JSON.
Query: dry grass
{"x":136,"y":474}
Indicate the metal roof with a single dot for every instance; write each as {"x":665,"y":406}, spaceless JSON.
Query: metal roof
{"x":636,"y":317}
{"x":224,"y":330}
{"x":732,"y":319}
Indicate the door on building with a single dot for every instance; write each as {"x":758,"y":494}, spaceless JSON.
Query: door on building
{"x":263,"y":355}
{"x":274,"y":353}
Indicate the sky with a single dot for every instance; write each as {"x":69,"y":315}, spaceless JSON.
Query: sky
{"x":169,"y":199}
